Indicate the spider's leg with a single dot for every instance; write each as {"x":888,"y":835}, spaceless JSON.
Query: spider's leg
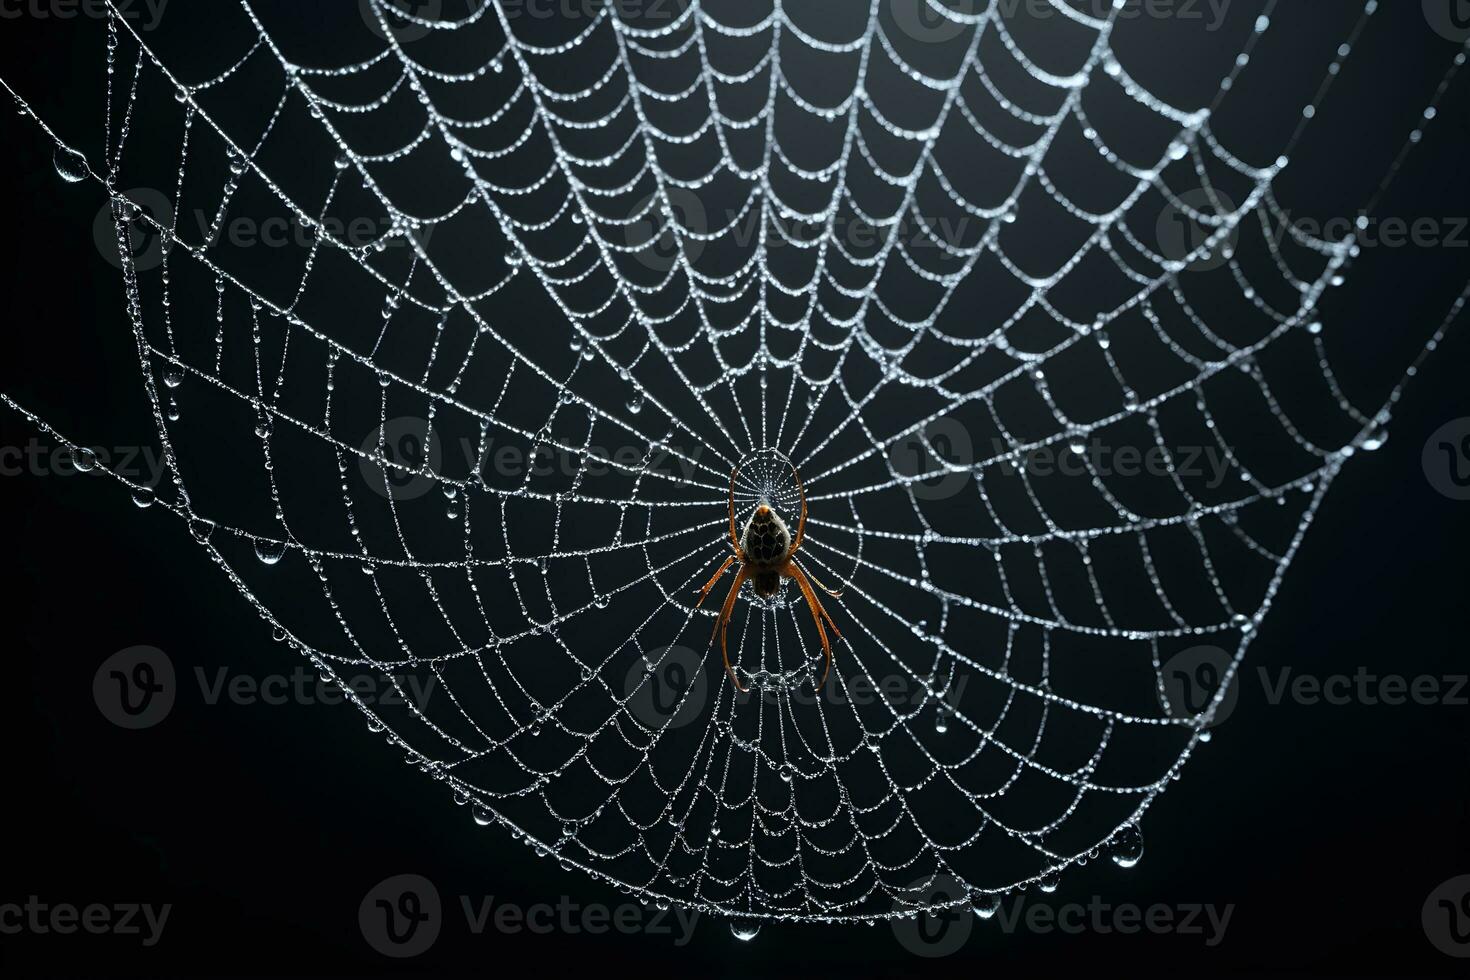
{"x":724,"y":621}
{"x":801,"y":521}
{"x":818,"y":614}
{"x":713,"y":579}
{"x":734,"y":535}
{"x":834,"y":593}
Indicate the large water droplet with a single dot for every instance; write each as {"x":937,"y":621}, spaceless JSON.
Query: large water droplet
{"x":1127,"y":846}
{"x":70,"y":164}
{"x":143,"y":497}
{"x":985,"y":905}
{"x":1374,"y":438}
{"x":745,"y":929}
{"x":483,"y":817}
{"x":1049,"y":882}
{"x":269,"y":552}
{"x":84,"y":459}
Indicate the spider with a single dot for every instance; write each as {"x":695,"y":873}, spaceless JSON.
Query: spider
{"x":767,"y":553}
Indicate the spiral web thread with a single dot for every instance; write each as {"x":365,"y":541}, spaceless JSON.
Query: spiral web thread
{"x":1025,"y":628}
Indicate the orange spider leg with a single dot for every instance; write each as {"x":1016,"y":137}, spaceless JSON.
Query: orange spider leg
{"x":834,"y":593}
{"x":713,"y":579}
{"x":734,"y":534}
{"x":724,"y":621}
{"x":801,"y":521}
{"x":793,"y":570}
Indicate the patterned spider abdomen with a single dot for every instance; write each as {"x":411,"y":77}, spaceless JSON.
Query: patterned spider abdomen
{"x":765,"y":544}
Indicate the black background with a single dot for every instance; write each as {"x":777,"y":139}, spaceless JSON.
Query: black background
{"x":1324,"y":826}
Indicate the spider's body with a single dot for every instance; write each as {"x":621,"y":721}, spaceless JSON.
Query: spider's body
{"x":765,"y":545}
{"x":766,"y":552}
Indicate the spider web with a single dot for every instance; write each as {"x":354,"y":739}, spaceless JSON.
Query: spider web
{"x":612,"y":256}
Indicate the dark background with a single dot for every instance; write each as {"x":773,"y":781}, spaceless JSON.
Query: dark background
{"x":1325,"y":826}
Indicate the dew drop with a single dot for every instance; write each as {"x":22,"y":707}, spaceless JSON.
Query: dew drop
{"x":84,"y":459}
{"x":70,"y":164}
{"x":269,"y":552}
{"x":985,"y":905}
{"x":1374,"y":438}
{"x":143,"y":497}
{"x":1049,"y":882}
{"x":1127,"y":846}
{"x":483,"y":816}
{"x":745,"y":929}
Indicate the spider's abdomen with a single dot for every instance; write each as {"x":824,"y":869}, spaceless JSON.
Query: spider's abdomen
{"x":766,"y":540}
